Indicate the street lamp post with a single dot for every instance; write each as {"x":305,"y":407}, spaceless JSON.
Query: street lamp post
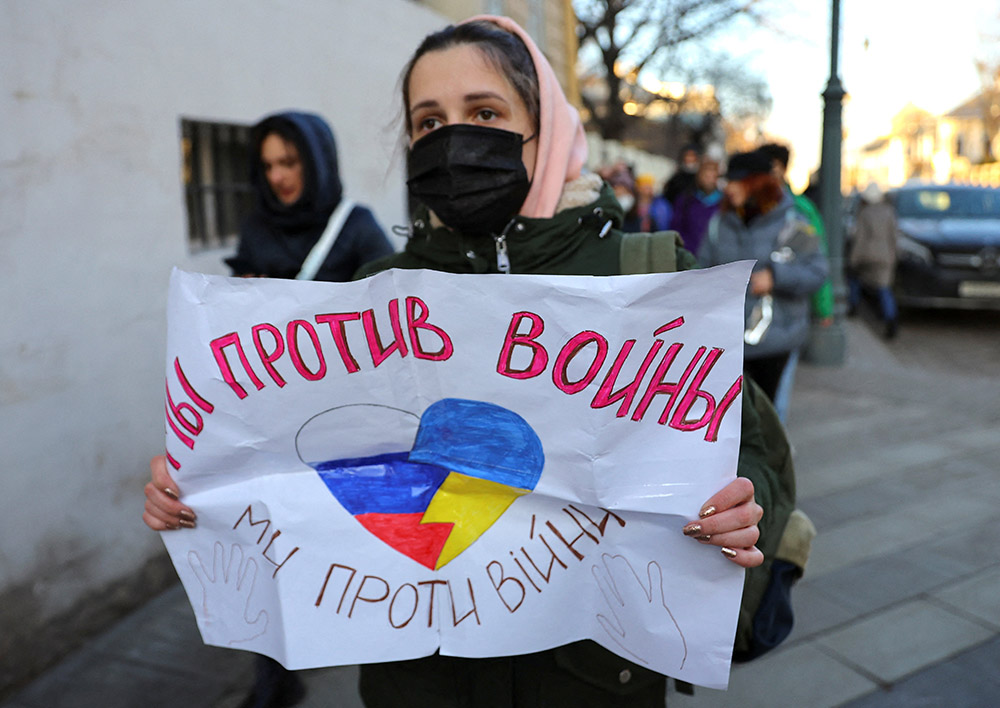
{"x":829,"y":343}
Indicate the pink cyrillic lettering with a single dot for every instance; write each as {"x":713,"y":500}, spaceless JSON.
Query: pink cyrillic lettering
{"x":567,"y":354}
{"x":539,"y":357}
{"x":380,"y":354}
{"x":194,"y":426}
{"x":218,"y":351}
{"x":189,"y":389}
{"x":336,"y":323}
{"x":657,"y":385}
{"x":679,"y":420}
{"x":268,"y":358}
{"x":177,"y":431}
{"x":292,"y":336}
{"x":712,"y":434}
{"x":605,"y":396}
{"x":415,"y":322}
{"x":672,"y":324}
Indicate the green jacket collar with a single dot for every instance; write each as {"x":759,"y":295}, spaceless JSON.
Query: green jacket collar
{"x":530,"y":243}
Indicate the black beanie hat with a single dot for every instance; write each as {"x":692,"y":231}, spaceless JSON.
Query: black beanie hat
{"x":745,"y":164}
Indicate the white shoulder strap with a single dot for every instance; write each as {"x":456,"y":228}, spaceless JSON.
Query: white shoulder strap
{"x":319,"y":252}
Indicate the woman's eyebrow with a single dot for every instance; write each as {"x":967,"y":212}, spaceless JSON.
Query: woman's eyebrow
{"x":470,"y":97}
{"x":430,"y":103}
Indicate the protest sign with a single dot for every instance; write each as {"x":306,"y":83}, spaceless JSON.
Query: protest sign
{"x":481,"y":465}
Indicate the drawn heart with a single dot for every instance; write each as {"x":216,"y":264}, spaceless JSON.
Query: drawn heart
{"x":468,"y":462}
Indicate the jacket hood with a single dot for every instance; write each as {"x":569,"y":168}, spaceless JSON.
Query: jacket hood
{"x":317,"y":148}
{"x":562,"y":145}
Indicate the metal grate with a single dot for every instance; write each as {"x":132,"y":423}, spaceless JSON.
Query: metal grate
{"x":217,"y":192}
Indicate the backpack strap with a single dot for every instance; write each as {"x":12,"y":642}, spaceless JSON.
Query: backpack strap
{"x":319,"y":252}
{"x":649,"y":253}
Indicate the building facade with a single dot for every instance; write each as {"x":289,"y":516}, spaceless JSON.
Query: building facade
{"x":961,"y":145}
{"x":117,"y":117}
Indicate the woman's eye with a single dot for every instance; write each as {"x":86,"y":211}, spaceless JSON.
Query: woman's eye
{"x":487,"y":114}
{"x":428,"y":124}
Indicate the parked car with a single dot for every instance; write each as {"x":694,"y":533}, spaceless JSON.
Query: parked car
{"x":949,"y":246}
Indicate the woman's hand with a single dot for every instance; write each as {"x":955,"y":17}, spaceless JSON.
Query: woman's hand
{"x":729,"y":519}
{"x":164,"y":511}
{"x":761,"y":282}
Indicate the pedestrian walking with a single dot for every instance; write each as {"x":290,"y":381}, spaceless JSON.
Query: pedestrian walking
{"x":653,"y":211}
{"x":758,"y":221}
{"x":872,"y":261}
{"x":694,"y":208}
{"x":682,"y":180}
{"x":821,"y":302}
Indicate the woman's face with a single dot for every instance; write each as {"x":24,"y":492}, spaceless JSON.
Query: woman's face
{"x":458,"y":85}
{"x":708,"y":176}
{"x":736,"y":192}
{"x":282,"y":168}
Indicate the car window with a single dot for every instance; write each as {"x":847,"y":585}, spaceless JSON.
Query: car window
{"x":968,"y":203}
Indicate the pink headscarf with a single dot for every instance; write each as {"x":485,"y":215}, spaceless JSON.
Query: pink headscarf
{"x":562,"y":146}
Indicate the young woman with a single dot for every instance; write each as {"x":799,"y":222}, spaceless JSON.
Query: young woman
{"x":495,"y":163}
{"x":297,"y":187}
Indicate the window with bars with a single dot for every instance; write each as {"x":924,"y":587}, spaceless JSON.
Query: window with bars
{"x":217,"y":191}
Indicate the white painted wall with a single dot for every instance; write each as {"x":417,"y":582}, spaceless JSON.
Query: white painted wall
{"x":92,"y":219}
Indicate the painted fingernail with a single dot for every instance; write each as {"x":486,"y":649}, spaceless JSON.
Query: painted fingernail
{"x":692,"y":530}
{"x":186,"y":524}
{"x":706,"y":511}
{"x":172,"y":527}
{"x":171,"y":493}
{"x":187,"y":515}
{"x":728,"y":552}
{"x":704,"y":538}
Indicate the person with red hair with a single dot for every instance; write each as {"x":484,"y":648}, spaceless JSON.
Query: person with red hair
{"x":758,"y":221}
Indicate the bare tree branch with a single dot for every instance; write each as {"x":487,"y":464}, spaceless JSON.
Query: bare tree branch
{"x":641,"y":33}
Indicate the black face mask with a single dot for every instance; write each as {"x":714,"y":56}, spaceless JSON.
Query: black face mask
{"x":471,"y":176}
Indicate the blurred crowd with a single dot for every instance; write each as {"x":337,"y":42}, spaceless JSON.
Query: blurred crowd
{"x":741,"y":207}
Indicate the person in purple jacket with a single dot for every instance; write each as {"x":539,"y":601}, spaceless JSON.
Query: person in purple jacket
{"x":694,"y":208}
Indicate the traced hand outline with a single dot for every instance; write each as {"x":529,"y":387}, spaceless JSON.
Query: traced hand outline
{"x":624,"y":590}
{"x":227,"y":592}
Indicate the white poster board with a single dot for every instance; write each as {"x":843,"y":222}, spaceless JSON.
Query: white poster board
{"x":477,"y":465}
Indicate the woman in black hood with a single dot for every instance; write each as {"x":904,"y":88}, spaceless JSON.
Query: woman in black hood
{"x":296,"y":180}
{"x":293,"y":169}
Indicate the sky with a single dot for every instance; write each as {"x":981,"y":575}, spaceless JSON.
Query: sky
{"x":918,"y":52}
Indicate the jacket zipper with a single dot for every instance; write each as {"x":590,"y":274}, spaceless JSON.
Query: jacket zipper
{"x":503,"y":259}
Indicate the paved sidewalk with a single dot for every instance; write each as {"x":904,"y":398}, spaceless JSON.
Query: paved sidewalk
{"x":900,"y":471}
{"x":898,"y":468}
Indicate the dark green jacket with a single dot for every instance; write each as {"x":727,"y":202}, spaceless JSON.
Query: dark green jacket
{"x":576,"y":241}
